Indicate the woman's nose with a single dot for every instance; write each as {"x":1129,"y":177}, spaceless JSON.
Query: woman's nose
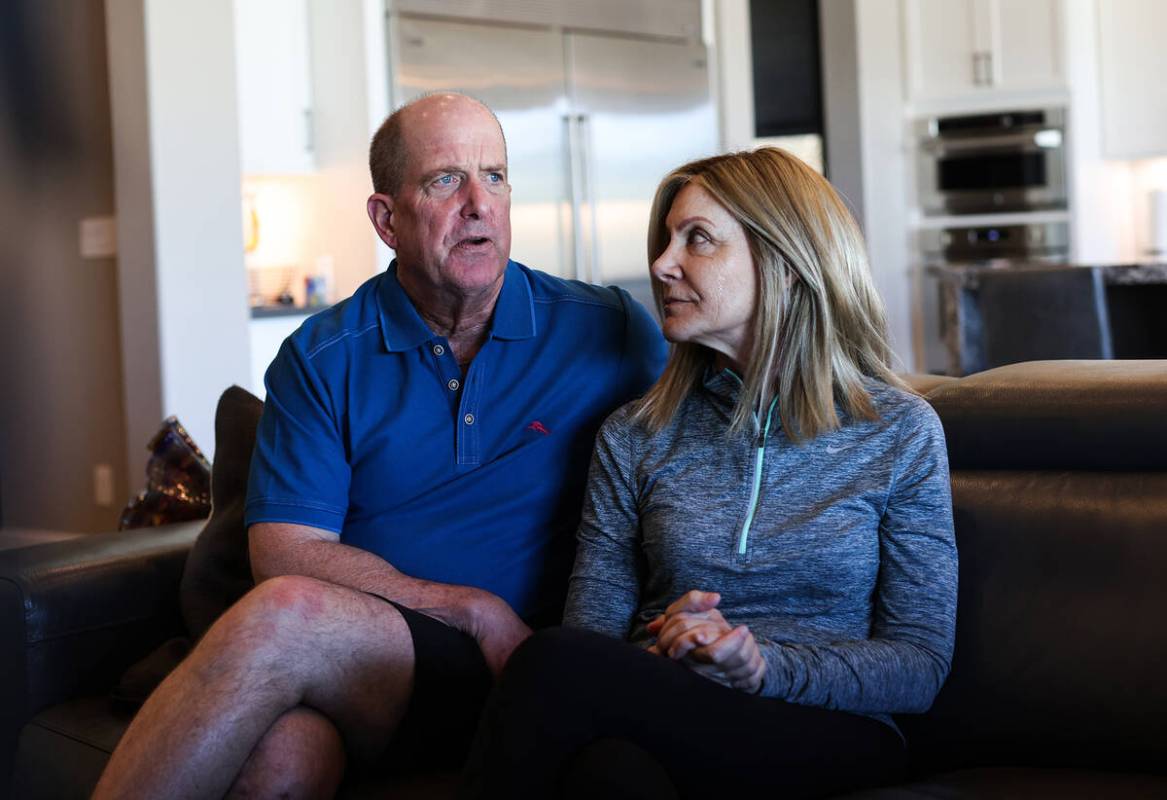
{"x":665,"y":268}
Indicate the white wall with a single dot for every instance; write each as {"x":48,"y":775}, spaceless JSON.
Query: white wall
{"x":735,"y":73}
{"x":177,"y":165}
{"x":886,"y":170}
{"x":868,"y":151}
{"x":345,"y":118}
{"x":844,"y":151}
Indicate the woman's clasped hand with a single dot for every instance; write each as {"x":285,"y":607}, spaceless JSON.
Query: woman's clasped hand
{"x":692,"y":630}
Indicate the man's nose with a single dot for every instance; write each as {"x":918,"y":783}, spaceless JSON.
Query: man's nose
{"x":474,"y":201}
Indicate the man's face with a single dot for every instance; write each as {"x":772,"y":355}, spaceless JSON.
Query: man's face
{"x":450,"y":222}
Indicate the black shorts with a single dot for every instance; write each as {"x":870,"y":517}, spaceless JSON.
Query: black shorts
{"x":450,"y":685}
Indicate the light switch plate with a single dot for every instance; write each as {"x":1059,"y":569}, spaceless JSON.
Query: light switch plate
{"x":99,"y":237}
{"x":103,"y":485}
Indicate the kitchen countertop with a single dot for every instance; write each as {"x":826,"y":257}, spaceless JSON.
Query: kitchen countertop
{"x":962,"y":327}
{"x":263,"y":312}
{"x":967,"y":276}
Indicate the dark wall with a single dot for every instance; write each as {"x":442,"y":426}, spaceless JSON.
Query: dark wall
{"x":61,"y":409}
{"x":788,"y":97}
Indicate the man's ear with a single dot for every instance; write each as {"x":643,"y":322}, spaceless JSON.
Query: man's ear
{"x":380,"y":207}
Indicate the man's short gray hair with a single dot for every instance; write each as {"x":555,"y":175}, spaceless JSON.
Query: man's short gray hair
{"x":387,"y":151}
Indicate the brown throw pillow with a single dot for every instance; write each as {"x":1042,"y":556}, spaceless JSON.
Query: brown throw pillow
{"x":218,"y":570}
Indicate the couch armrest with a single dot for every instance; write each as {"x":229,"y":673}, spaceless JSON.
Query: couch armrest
{"x":75,"y":614}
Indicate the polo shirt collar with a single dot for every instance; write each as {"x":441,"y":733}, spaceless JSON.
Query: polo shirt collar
{"x":402,"y":328}
{"x":514,"y":315}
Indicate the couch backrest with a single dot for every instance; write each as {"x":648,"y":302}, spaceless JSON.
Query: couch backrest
{"x":1059,"y":473}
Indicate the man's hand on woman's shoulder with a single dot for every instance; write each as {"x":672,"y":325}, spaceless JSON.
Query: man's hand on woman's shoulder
{"x":693,"y":631}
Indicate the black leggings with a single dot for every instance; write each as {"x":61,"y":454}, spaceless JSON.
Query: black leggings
{"x":567,"y":695}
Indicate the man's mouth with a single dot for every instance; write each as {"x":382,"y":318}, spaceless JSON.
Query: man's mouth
{"x":473,"y":241}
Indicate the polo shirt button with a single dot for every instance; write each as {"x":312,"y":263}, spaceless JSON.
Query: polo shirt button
{"x":453,"y":384}
{"x":438,"y":349}
{"x":468,"y":419}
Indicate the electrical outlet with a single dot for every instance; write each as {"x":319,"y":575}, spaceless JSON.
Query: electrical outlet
{"x":103,"y":485}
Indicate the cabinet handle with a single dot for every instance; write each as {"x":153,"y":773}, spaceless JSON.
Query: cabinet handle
{"x":309,"y":137}
{"x":980,"y":74}
{"x":988,"y":68}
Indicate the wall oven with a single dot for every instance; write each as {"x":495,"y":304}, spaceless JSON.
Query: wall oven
{"x":992,"y":163}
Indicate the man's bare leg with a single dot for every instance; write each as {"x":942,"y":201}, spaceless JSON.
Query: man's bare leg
{"x":299,"y":758}
{"x":292,"y":641}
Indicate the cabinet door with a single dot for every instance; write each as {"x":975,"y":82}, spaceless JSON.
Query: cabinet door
{"x":1026,"y":51}
{"x":1133,"y":61}
{"x":274,"y":86}
{"x":944,"y":39}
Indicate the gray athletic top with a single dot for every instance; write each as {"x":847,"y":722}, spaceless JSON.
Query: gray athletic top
{"x":842,"y":561}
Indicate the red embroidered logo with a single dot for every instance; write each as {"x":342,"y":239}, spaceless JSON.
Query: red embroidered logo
{"x":537,"y":426}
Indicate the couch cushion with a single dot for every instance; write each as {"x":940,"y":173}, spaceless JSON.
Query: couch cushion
{"x":64,"y":749}
{"x":1060,"y":646}
{"x":1082,"y":415}
{"x":925,"y":383}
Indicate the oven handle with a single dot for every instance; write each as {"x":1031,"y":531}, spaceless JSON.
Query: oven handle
{"x":1028,"y":141}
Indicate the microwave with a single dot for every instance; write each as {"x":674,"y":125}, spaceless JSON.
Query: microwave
{"x":991,"y":163}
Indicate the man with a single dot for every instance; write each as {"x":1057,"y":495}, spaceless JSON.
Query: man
{"x":414,"y":491}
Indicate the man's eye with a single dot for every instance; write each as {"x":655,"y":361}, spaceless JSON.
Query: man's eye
{"x":446,"y":180}
{"x":495,"y":177}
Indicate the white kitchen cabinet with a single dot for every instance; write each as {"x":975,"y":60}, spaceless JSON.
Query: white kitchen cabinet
{"x":1132,"y":61}
{"x":273,"y":72}
{"x":974,"y":48}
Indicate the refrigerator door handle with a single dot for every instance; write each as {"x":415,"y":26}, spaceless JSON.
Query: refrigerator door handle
{"x":575,"y":183}
{"x":588,"y":170}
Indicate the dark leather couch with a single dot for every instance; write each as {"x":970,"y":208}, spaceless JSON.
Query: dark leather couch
{"x":1057,"y":689}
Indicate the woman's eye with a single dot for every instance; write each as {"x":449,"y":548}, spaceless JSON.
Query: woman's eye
{"x":698,"y":237}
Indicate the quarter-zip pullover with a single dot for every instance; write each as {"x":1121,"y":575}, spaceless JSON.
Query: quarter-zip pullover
{"x":842,"y":560}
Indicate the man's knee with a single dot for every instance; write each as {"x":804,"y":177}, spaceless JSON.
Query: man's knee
{"x":293,"y":620}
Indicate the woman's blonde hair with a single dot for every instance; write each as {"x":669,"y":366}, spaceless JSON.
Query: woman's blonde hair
{"x":819,"y":326}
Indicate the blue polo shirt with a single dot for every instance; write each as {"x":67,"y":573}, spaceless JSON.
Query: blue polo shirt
{"x":370,"y":430}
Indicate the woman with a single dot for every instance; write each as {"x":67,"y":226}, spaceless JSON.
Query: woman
{"x":766,"y":566}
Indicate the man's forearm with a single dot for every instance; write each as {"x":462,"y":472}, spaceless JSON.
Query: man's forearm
{"x":289,"y":550}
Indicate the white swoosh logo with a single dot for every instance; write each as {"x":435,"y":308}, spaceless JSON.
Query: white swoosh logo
{"x":833,"y":450}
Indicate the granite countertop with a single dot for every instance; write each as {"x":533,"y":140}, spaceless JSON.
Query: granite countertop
{"x":276,"y":310}
{"x":967,"y":276}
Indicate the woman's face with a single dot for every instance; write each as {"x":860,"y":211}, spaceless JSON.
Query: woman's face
{"x":708,"y":282}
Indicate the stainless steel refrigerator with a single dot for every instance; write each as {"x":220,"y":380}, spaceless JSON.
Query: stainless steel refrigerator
{"x":593,"y":120}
